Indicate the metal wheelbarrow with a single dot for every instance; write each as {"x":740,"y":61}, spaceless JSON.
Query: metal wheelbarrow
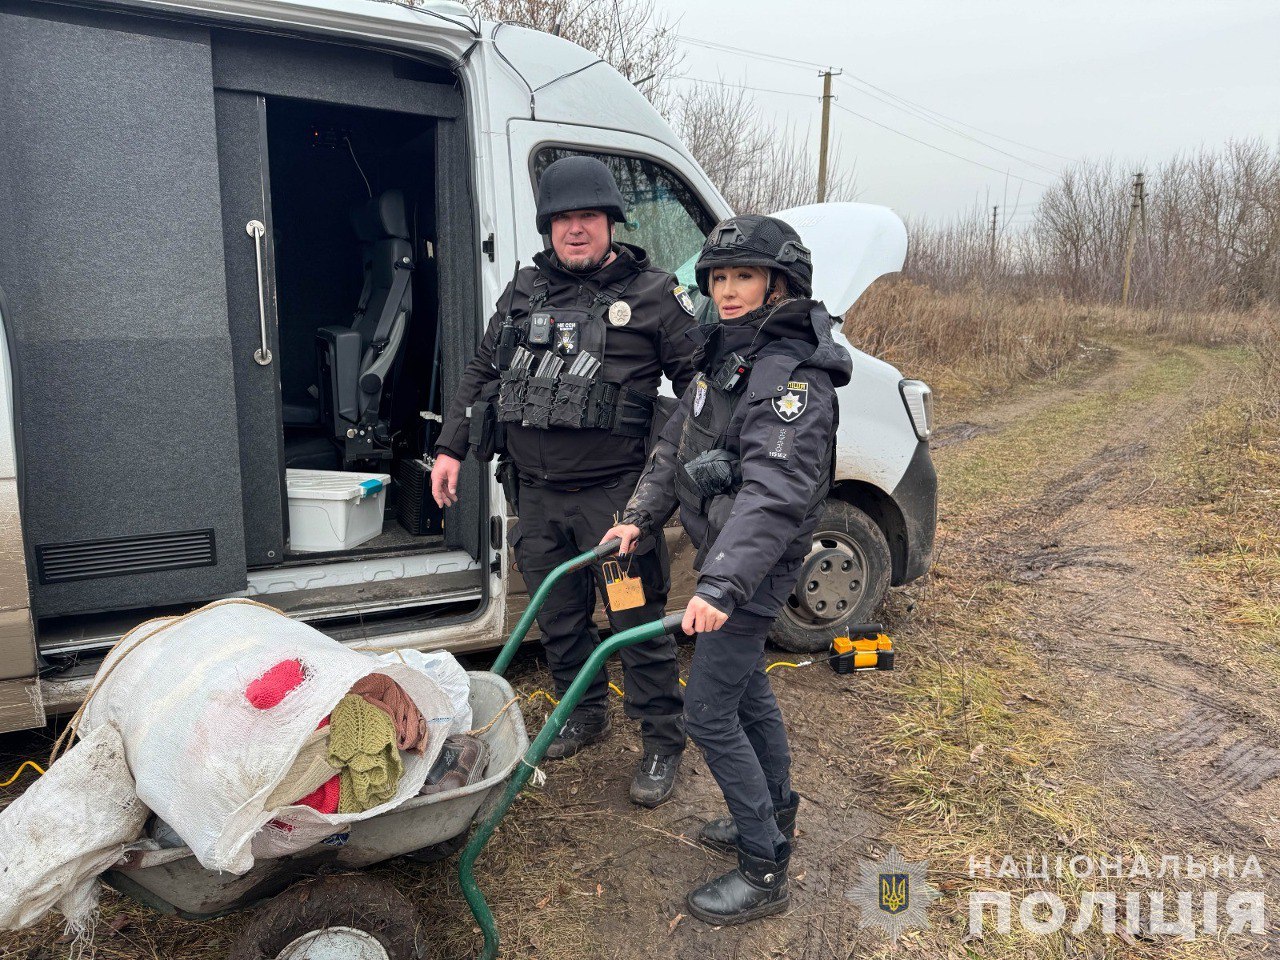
{"x":344,"y":915}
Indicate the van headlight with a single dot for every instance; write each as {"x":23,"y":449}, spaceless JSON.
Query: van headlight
{"x":919,"y":401}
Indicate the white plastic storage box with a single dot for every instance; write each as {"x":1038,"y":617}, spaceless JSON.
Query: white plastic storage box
{"x":334,"y":510}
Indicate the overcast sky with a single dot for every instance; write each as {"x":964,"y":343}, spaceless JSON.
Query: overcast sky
{"x":1079,"y":78}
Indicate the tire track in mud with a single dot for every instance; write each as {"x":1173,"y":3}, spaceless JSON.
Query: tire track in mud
{"x":1106,"y":610}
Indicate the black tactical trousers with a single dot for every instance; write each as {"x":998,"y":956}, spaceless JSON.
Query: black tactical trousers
{"x":734,"y":718}
{"x":557,"y":525}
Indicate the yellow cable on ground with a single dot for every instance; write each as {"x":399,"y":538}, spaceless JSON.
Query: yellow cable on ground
{"x":554,"y":702}
{"x":787,"y":663}
{"x":17,"y":773}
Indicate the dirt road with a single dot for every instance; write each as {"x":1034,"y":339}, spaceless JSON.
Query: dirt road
{"x":1067,"y":686}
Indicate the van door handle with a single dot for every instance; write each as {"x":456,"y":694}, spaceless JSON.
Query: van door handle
{"x":257,"y":230}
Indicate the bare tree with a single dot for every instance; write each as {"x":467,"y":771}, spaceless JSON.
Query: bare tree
{"x":1211,"y":237}
{"x":758,"y":166}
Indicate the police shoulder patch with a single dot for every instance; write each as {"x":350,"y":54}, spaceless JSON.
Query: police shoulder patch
{"x":779,"y":442}
{"x":681,"y":294}
{"x":791,"y":401}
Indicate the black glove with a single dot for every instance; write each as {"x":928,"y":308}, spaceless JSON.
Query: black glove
{"x":714,"y":472}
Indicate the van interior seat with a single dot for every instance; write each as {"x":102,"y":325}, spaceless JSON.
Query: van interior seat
{"x":357,"y":363}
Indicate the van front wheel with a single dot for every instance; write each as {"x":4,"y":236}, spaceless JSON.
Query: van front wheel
{"x":843,"y":581}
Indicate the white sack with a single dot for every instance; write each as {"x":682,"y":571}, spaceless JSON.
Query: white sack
{"x":205,"y":759}
{"x":442,"y":667}
{"x":66,"y":828}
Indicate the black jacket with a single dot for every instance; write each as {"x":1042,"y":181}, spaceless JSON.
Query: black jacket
{"x":784,"y":461}
{"x":636,"y":355}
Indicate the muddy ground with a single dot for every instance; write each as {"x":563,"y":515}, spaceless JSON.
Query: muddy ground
{"x":1074,"y":679}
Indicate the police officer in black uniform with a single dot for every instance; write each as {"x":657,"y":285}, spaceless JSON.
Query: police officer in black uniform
{"x":566,"y":380}
{"x":748,"y":458}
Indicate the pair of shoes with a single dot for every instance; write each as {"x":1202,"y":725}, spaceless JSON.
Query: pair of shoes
{"x":758,"y":888}
{"x":722,"y":835}
{"x":655,"y":778}
{"x":575,"y":735}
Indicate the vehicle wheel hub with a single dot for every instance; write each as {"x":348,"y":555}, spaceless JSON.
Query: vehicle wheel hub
{"x":829,"y":585}
{"x":334,"y":943}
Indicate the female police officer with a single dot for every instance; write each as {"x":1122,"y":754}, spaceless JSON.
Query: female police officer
{"x":748,"y":458}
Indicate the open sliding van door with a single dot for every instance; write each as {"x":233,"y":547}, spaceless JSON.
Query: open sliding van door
{"x":248,"y":237}
{"x":111,"y":257}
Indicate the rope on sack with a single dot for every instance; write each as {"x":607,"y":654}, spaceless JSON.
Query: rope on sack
{"x":68,"y":735}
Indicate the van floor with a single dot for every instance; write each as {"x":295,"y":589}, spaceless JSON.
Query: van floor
{"x":394,"y":539}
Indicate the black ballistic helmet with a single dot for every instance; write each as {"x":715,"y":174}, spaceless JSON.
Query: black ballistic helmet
{"x":578,"y":183}
{"x":756,"y":241}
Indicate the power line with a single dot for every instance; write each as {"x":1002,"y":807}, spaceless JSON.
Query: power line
{"x":725,"y":48}
{"x":920,"y":115}
{"x":743,"y":86}
{"x":742,"y":51}
{"x":920,"y":106}
{"x":932,"y":146}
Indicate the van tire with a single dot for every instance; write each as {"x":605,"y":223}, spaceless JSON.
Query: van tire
{"x":366,"y":906}
{"x":844,"y":535}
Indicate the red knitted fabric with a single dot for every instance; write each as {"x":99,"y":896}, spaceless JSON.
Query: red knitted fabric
{"x":270,"y":688}
{"x":325,"y":800}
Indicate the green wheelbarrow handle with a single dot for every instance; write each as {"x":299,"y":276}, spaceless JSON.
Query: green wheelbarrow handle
{"x":538,"y":749}
{"x":539,"y":597}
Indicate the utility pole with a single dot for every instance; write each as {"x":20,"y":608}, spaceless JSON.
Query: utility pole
{"x":994,"y":211}
{"x":826,"y":76}
{"x":1137,"y":208}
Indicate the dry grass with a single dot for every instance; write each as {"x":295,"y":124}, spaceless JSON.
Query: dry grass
{"x":1229,"y":472}
{"x":977,"y":343}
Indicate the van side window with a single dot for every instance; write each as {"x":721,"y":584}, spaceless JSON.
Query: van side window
{"x":664,"y":215}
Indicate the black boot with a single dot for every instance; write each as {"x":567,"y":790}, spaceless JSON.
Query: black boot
{"x":722,"y":835}
{"x":575,"y":735}
{"x":655,"y":778}
{"x":756,"y":889}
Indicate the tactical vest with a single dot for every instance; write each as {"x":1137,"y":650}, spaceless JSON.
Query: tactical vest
{"x":710,"y":442}
{"x":527,"y":394}
{"x":571,"y":393}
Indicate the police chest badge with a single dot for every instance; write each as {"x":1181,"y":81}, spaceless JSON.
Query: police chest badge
{"x":686,"y":302}
{"x":699,"y":396}
{"x":620,"y":313}
{"x":790,"y":404}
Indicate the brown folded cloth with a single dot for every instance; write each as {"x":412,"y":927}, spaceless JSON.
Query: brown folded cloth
{"x":384,"y":693}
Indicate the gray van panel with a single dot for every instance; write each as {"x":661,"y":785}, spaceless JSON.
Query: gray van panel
{"x":111,"y":255}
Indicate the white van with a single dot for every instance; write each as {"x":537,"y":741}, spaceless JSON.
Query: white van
{"x":198,"y":196}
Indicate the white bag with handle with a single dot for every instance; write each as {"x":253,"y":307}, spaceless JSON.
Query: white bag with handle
{"x":205,"y":759}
